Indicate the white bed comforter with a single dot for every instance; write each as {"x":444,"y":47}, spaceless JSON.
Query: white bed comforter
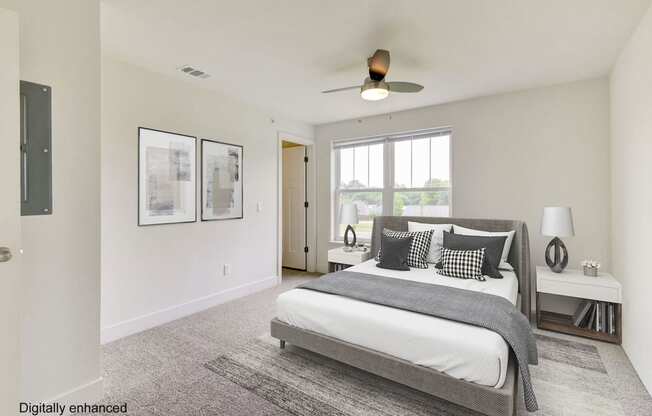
{"x":463,"y":351}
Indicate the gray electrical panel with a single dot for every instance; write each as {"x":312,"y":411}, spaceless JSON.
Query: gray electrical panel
{"x":35,"y":149}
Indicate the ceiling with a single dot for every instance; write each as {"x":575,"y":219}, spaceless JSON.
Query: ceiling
{"x":280,"y":54}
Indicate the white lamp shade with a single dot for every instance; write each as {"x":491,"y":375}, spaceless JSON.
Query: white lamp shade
{"x":557,"y":222}
{"x":349,"y":214}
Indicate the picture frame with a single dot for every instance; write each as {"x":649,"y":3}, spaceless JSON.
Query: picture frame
{"x":167,"y":177}
{"x":222,"y":188}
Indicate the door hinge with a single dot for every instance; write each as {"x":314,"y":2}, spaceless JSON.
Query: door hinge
{"x":305,"y":204}
{"x":305,"y":249}
{"x":305,"y":159}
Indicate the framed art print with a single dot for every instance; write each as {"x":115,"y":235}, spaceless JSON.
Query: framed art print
{"x":166,"y":177}
{"x":221,"y":181}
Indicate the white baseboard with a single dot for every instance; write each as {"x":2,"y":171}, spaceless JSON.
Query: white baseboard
{"x":91,"y":392}
{"x":151,"y":320}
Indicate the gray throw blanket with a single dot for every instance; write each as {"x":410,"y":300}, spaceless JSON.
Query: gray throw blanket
{"x":466,"y":306}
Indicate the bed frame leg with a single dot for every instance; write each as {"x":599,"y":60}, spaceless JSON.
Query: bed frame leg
{"x":282,"y":344}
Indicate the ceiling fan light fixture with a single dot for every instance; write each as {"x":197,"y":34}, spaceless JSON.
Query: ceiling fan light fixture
{"x":374,"y":87}
{"x":374,"y":91}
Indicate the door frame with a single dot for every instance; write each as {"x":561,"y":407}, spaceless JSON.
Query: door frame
{"x":10,"y":270}
{"x":311,"y":214}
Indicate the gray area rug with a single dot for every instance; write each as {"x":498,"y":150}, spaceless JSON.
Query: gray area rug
{"x":571,"y":379}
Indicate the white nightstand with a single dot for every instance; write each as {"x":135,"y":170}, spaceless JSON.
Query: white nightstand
{"x":338,"y":259}
{"x":573,"y":283}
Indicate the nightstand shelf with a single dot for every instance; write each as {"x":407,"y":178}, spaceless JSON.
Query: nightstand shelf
{"x":572,"y":283}
{"x":563,"y":323}
{"x":338,"y":259}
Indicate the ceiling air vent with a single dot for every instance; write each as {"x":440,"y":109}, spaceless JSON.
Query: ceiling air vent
{"x":193,"y":72}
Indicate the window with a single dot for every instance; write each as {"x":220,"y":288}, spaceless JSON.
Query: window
{"x":360,"y":182}
{"x":405,"y":174}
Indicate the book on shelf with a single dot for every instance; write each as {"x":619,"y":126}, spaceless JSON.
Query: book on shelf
{"x":612,"y":319}
{"x":600,"y":324}
{"x":584,"y":323}
{"x":596,"y":316}
{"x":580,"y":312}
{"x":592,"y":315}
{"x":603,"y":311}
{"x":600,"y":327}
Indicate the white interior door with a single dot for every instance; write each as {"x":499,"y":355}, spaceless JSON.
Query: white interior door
{"x":9,"y":211}
{"x":294,"y":211}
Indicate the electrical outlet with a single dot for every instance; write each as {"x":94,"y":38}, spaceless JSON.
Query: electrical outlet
{"x":226,"y":271}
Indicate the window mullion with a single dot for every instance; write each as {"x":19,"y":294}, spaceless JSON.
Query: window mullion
{"x":338,"y":173}
{"x":368,"y":167}
{"x":388,"y":178}
{"x":355,"y":149}
{"x":358,"y":190}
{"x":426,"y":189}
{"x":430,"y":161}
{"x":411,"y":165}
{"x":336,"y":198}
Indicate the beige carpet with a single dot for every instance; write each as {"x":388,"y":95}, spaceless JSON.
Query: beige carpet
{"x":162,"y":371}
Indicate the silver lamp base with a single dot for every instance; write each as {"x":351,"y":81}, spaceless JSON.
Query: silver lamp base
{"x":348,"y":243}
{"x":560,"y":260}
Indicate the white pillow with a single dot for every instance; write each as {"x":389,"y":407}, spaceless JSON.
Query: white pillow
{"x":437,"y":240}
{"x":505,"y":266}
{"x":508,"y":241}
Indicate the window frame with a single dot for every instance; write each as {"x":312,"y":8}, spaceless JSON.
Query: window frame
{"x":389,"y":188}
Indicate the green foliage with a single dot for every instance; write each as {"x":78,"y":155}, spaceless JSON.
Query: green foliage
{"x":370,"y":198}
{"x":401,"y":199}
{"x":399,"y":204}
{"x":438,"y":183}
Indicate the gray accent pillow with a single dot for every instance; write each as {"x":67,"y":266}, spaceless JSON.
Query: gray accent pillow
{"x":395,"y":252}
{"x":493,"y":250}
{"x":418,"y":255}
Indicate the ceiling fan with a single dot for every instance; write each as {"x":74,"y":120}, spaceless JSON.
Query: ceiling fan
{"x":375,"y":87}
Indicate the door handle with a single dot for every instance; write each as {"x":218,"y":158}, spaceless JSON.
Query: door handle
{"x":5,"y":254}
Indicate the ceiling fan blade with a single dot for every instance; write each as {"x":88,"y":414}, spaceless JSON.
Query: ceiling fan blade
{"x":378,"y":64}
{"x":341,"y":89}
{"x":398,"y":86}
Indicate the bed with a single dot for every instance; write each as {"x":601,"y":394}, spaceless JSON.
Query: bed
{"x":465,"y":364}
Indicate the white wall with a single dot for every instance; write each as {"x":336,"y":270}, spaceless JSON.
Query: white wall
{"x":60,"y":47}
{"x":153,"y":274}
{"x":512,"y":155}
{"x":631,"y":170}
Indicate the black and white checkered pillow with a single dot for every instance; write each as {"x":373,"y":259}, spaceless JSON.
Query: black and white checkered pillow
{"x":418,"y":255}
{"x":463,"y":264}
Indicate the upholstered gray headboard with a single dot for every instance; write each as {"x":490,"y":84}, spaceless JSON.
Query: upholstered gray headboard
{"x":519,"y":254}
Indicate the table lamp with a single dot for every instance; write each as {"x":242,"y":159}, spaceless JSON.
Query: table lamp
{"x":557,"y":222}
{"x":348,"y":216}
